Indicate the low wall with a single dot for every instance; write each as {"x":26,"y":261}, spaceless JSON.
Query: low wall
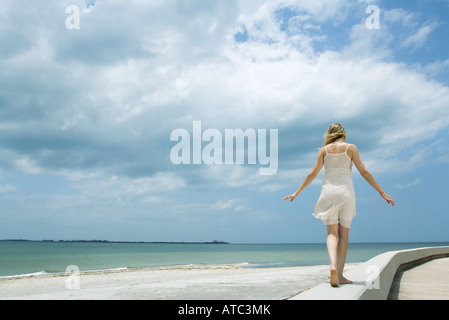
{"x":372,"y":280}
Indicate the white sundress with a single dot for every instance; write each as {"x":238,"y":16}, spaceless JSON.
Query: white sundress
{"x":336,"y":204}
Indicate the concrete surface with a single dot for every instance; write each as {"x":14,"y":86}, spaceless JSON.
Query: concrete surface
{"x":374,"y":278}
{"x":427,"y":281}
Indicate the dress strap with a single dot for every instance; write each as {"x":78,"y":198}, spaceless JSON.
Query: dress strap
{"x":325,"y":148}
{"x":347,"y":148}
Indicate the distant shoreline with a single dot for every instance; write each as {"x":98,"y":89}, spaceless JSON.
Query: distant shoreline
{"x":109,"y":241}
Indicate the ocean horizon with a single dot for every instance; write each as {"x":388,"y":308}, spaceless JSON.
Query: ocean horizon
{"x":33,"y":257}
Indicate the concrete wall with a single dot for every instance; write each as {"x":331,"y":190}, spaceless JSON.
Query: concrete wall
{"x":373,"y":279}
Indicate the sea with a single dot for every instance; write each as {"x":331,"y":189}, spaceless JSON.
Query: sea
{"x":21,"y":258}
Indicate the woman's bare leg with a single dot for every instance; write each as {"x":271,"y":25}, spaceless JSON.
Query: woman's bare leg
{"x":332,"y":249}
{"x":342,"y":250}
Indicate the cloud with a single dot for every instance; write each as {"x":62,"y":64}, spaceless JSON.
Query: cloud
{"x":106,"y":98}
{"x":420,"y":37}
{"x":437,"y":67}
{"x":228,"y":205}
{"x":97,"y":105}
{"x":7,"y":188}
{"x":409,"y":184}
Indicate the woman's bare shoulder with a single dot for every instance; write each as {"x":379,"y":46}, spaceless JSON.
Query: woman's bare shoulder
{"x":351,"y":151}
{"x":322,"y":151}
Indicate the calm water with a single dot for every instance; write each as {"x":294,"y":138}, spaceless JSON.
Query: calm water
{"x":27,"y":257}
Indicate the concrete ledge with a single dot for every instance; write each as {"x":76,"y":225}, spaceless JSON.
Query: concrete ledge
{"x":373,"y":279}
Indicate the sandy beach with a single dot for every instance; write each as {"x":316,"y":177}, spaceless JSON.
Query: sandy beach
{"x":210,"y":282}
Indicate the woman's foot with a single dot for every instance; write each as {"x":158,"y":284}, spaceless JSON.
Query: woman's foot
{"x":343,"y":280}
{"x":334,"y":278}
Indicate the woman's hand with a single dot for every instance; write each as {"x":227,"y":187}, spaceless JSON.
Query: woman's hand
{"x":387,"y":198}
{"x":311,"y":176}
{"x":292,"y":197}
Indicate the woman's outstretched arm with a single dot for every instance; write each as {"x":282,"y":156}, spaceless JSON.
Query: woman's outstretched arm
{"x":366,"y":174}
{"x":310,"y":177}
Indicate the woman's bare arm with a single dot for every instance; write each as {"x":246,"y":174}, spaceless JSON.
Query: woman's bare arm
{"x":366,"y":174}
{"x":310,"y":177}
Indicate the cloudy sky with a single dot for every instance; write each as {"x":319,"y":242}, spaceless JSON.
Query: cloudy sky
{"x":86,"y":115}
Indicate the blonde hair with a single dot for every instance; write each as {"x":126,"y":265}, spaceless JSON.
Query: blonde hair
{"x":335,"y":132}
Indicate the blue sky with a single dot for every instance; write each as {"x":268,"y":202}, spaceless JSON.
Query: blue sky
{"x":86,"y":116}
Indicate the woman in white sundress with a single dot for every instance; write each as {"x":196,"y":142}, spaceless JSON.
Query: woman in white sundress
{"x":336,"y":204}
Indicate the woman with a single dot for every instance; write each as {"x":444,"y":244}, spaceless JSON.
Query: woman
{"x":336,"y":205}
